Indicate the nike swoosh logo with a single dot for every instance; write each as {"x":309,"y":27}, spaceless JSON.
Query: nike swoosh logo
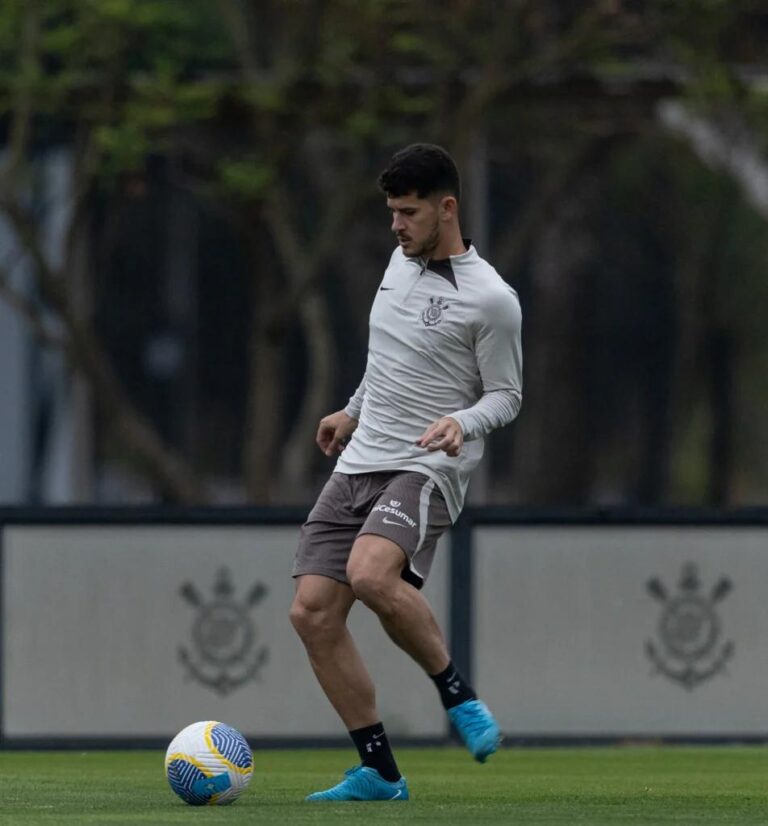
{"x":386,"y":288}
{"x":395,"y":796}
{"x":390,"y":522}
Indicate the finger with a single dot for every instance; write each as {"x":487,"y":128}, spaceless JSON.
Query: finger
{"x":324,"y":437}
{"x":451,"y":442}
{"x":337,"y":444}
{"x":427,"y":436}
{"x":441,"y":432}
{"x":439,"y":444}
{"x":342,"y":443}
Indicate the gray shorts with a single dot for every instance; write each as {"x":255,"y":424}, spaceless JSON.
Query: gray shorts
{"x":403,"y":506}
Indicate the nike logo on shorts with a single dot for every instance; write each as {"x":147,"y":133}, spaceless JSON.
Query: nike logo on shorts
{"x":390,"y":522}
{"x":386,"y":288}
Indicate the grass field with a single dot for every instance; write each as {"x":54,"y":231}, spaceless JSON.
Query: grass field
{"x":517,"y":786}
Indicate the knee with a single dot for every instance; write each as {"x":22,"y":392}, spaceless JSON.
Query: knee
{"x":373,"y":588}
{"x":314,"y":621}
{"x":374,"y":573}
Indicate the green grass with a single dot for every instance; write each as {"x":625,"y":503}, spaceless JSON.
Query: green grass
{"x":628,"y":785}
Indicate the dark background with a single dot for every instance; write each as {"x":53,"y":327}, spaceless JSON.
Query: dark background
{"x":192,"y":234}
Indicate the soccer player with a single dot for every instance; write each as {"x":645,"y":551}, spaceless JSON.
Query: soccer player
{"x":444,"y":368}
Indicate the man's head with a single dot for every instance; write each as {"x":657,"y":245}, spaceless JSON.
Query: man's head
{"x":423,"y":189}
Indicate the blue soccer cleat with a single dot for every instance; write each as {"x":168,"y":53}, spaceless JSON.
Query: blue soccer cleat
{"x":477,"y":728}
{"x":363,"y":783}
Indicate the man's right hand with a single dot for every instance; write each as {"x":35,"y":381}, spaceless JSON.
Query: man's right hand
{"x":334,"y":431}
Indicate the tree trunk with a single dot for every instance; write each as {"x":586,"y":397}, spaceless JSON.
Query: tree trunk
{"x":264,"y":418}
{"x":721,"y":352}
{"x":299,"y":452}
{"x":553,"y":448}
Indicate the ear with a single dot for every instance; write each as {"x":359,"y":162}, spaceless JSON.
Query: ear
{"x":448,"y":207}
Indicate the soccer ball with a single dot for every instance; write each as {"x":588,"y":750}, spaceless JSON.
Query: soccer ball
{"x":209,"y":763}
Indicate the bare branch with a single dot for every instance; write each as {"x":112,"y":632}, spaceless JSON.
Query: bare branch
{"x":502,"y":71}
{"x":85,"y":176}
{"x":31,"y":312}
{"x":723,"y":144}
{"x":305,"y":268}
{"x":85,"y":354}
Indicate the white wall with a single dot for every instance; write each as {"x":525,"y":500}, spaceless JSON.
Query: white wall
{"x":94,"y":621}
{"x":565,"y":626}
{"x":564,"y":618}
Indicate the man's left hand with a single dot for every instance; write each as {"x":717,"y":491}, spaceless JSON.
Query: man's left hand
{"x":444,"y":434}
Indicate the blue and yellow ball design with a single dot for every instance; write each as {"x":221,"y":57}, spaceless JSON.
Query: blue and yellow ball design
{"x":209,"y":764}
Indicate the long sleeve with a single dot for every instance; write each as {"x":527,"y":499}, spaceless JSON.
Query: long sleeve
{"x":355,"y":403}
{"x":494,"y":409}
{"x":499,"y":356}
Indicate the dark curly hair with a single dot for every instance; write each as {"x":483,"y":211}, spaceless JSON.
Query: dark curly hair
{"x":423,"y":168}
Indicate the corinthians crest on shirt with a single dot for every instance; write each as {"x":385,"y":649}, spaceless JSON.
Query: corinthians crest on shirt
{"x":433,"y":313}
{"x":224,"y":654}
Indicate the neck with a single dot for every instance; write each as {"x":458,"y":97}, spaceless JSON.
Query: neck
{"x":450,"y":244}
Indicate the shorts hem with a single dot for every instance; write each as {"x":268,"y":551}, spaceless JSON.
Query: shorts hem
{"x":408,"y":574}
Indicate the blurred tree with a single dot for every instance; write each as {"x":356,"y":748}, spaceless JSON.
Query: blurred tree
{"x":275,"y":115}
{"x":91,"y":74}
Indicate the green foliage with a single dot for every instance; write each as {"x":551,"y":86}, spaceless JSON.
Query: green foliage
{"x":247,"y":178}
{"x":123,"y":148}
{"x":142,"y":73}
{"x":128,"y":71}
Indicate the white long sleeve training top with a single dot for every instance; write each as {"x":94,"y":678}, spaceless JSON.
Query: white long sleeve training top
{"x":444,"y":341}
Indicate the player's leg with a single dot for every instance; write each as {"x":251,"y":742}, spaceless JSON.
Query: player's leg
{"x":375,"y":574}
{"x":319,"y":613}
{"x":388,"y":565}
{"x":374,"y":571}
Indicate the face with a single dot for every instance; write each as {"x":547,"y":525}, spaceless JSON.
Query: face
{"x":417,"y":223}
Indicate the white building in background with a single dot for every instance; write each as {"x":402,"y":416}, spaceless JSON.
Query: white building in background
{"x":15,"y":391}
{"x":44,"y":442}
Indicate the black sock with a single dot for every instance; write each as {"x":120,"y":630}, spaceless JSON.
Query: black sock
{"x":452,"y":687}
{"x":373,"y":748}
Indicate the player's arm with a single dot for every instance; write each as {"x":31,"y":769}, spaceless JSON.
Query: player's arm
{"x":355,"y":403}
{"x":499,"y":355}
{"x":498,"y":351}
{"x":334,"y":430}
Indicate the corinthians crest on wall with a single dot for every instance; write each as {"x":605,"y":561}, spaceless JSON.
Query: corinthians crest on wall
{"x":224,"y":653}
{"x":690,"y":648}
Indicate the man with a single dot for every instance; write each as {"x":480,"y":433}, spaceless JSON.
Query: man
{"x":444,"y":368}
